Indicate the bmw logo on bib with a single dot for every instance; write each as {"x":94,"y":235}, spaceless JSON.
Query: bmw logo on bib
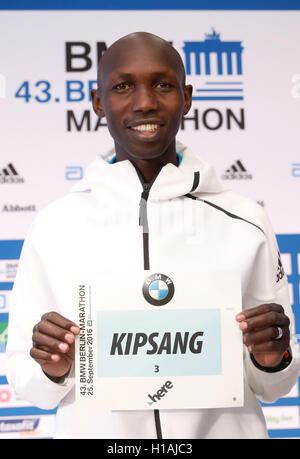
{"x":158,"y":289}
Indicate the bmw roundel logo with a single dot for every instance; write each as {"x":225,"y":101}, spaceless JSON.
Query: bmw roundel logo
{"x":158,"y":289}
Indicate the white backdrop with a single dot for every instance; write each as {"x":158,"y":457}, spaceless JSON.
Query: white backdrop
{"x":243,"y":120}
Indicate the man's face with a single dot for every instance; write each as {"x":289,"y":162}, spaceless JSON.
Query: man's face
{"x":143,"y":98}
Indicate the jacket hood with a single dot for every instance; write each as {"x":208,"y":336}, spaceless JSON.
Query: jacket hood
{"x":193,"y":175}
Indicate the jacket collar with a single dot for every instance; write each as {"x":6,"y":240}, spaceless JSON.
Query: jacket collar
{"x":171,"y":182}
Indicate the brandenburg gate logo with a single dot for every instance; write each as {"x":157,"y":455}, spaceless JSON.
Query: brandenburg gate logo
{"x":214,"y":58}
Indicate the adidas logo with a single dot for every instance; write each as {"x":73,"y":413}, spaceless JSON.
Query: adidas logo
{"x":237,"y":172}
{"x":10,"y":175}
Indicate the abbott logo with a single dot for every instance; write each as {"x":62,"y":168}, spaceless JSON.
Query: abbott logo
{"x":73,"y":173}
{"x":2,"y":86}
{"x":296,"y":169}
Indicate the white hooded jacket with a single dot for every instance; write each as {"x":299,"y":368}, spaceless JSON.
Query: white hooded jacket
{"x":186,"y":217}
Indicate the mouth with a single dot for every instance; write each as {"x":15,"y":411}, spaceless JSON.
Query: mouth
{"x":146,"y":129}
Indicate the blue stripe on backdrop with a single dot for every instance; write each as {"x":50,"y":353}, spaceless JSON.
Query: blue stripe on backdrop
{"x":218,"y":98}
{"x":25,"y":411}
{"x":6,"y":285}
{"x":153,"y":5}
{"x":10,"y":249}
{"x":284,"y":433}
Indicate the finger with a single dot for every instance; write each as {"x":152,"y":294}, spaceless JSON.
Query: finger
{"x":263,"y":336}
{"x":262,"y":321}
{"x":61,"y":321}
{"x":54,"y":345}
{"x":67,"y":352}
{"x":50,"y":329}
{"x":42,"y":356}
{"x":270,"y":347}
{"x":44,"y":348}
{"x":262,"y":309}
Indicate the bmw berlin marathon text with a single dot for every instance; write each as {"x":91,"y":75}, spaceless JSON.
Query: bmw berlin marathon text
{"x":213,"y":66}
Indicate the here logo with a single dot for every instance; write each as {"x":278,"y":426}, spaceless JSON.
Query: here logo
{"x":160,"y":393}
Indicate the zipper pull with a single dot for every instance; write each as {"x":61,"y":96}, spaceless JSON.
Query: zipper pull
{"x":143,"y":211}
{"x":143,"y":220}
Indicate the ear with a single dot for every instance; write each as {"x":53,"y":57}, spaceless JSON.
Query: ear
{"x":97,"y":106}
{"x":188,"y":91}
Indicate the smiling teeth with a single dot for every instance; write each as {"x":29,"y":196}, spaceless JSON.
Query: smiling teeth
{"x":146,"y":127}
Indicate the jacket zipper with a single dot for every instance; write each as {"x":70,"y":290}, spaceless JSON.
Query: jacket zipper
{"x":143,"y":222}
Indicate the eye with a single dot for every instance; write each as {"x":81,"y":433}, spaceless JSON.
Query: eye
{"x":121,"y":87}
{"x":163,"y":85}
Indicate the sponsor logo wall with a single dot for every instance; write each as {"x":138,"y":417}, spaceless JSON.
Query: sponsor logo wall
{"x":244,"y":120}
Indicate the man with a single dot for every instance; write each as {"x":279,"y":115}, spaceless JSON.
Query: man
{"x":143,"y":95}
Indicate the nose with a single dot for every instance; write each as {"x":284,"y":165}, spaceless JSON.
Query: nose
{"x":144,"y":100}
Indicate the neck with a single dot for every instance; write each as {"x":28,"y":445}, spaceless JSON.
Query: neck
{"x":150,"y":167}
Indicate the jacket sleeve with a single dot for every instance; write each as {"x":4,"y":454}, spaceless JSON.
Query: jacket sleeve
{"x":30,"y":299}
{"x":269,"y":284}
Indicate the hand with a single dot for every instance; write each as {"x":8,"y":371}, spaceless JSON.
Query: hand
{"x":53,"y":344}
{"x":259,"y":327}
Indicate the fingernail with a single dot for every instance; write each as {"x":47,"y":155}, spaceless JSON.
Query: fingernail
{"x":55,"y":357}
{"x":69,"y":338}
{"x":75,"y":330}
{"x":243,"y":326}
{"x":240,"y":316}
{"x":63,"y":347}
